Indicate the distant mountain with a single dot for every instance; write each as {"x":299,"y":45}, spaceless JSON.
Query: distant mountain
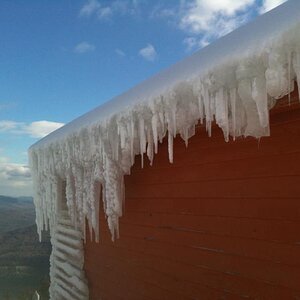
{"x":24,"y":261}
{"x":24,"y":264}
{"x":21,"y":247}
{"x":25,"y":199}
{"x":16,"y":213}
{"x":18,"y":233}
{"x":8,"y":199}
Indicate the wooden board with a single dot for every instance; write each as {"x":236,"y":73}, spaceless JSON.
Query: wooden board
{"x":221,"y":222}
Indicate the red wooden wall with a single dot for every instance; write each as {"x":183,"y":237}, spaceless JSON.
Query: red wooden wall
{"x":222,"y":222}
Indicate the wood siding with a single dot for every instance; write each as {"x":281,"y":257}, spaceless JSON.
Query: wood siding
{"x":221,"y":222}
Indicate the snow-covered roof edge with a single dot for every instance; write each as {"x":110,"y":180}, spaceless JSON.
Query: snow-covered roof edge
{"x":233,"y":82}
{"x":247,"y":40}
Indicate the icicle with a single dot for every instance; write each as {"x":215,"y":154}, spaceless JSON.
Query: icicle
{"x":116,"y":147}
{"x":245,"y":92}
{"x":70,"y":196}
{"x":197,"y":91}
{"x":122,"y":134}
{"x":222,"y":112}
{"x":162,"y":121}
{"x":85,"y":192}
{"x":185,"y":136}
{"x":95,"y":215}
{"x":201,"y":108}
{"x":154,"y":122}
{"x":132,"y":141}
{"x":84,"y":230}
{"x":233,"y":111}
{"x":259,"y":94}
{"x":142,"y":139}
{"x":90,"y":229}
{"x":171,"y":112}
{"x":208,"y":116}
{"x":78,"y":180}
{"x":170,"y":147}
{"x":150,"y":146}
{"x":296,"y":66}
{"x":289,"y":58}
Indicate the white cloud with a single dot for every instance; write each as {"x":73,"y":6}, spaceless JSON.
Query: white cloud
{"x":36,"y":129}
{"x":6,"y":125}
{"x":120,"y":52}
{"x":106,"y":12}
{"x":270,"y":4}
{"x":40,"y":129}
{"x":191,"y":43}
{"x":204,"y":20}
{"x":15,"y":179}
{"x":12,"y":171}
{"x":207,"y":20}
{"x":84,"y":47}
{"x":149,"y":53}
{"x":3,"y":159}
{"x":200,"y":15}
{"x":162,"y":13}
{"x":89,"y":8}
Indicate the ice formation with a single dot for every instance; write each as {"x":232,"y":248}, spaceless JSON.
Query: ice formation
{"x":66,"y":262}
{"x":233,"y":82}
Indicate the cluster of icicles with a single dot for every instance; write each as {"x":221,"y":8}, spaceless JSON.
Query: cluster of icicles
{"x":236,"y":95}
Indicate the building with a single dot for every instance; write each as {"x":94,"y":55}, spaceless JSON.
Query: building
{"x":142,"y":204}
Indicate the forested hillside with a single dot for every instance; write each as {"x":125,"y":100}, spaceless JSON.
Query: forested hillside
{"x":24,"y":261}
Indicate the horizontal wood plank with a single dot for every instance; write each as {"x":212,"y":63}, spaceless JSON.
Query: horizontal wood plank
{"x":221,"y":222}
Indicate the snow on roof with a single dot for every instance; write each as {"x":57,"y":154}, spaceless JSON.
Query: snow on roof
{"x":233,"y":82}
{"x":246,"y":40}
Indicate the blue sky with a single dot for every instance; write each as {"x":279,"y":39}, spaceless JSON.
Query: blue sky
{"x":60,"y":59}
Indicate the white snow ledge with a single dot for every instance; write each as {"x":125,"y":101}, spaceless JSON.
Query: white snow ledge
{"x":234,"y":82}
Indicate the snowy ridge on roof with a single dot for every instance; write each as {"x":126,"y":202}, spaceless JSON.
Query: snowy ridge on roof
{"x":234,"y":82}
